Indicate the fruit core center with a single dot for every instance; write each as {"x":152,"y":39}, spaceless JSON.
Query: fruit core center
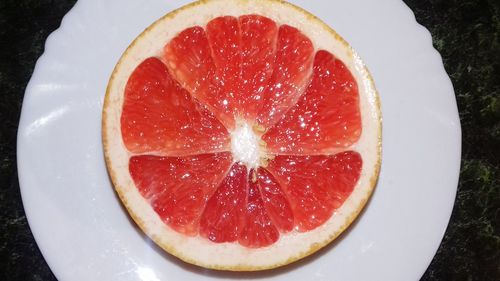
{"x":246,"y":145}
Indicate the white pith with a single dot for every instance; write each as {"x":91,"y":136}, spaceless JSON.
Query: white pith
{"x":233,"y":256}
{"x":245,"y":145}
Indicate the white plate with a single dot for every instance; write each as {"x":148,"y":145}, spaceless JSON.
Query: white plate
{"x":85,"y":234}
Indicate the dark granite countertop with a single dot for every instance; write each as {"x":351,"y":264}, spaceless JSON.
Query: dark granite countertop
{"x":465,"y":32}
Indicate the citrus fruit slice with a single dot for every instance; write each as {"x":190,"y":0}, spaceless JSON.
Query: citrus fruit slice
{"x":241,"y":135}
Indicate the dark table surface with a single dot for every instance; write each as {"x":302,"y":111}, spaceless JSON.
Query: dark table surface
{"x":465,"y":32}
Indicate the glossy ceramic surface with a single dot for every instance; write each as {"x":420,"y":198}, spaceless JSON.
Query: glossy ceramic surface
{"x":85,"y":234}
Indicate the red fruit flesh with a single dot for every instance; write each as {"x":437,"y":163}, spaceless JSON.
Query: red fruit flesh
{"x":228,"y":65}
{"x":291,"y":74}
{"x":257,"y":229}
{"x":179,"y":187}
{"x":274,"y":200}
{"x":242,"y":207}
{"x":180,"y":108}
{"x":300,"y":191}
{"x":325,"y":118}
{"x":316,"y":185}
{"x":258,"y":48}
{"x":223,"y":216}
{"x":160,"y":117}
{"x":223,"y":34}
{"x":189,"y":59}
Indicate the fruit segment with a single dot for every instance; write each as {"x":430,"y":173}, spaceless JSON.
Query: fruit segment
{"x":223,"y":216}
{"x":179,"y":187}
{"x":291,"y":75}
{"x":257,"y":228}
{"x":258,"y":48}
{"x":223,"y":34}
{"x":189,"y":59}
{"x":316,"y":185}
{"x":160,"y":117}
{"x":325,"y":118}
{"x":274,"y":200}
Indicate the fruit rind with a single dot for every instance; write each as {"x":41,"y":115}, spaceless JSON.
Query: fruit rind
{"x":117,"y":156}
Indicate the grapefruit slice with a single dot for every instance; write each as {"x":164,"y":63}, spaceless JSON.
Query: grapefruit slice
{"x":241,"y":135}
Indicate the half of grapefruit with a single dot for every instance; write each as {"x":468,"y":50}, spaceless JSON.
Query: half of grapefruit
{"x":241,"y":135}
